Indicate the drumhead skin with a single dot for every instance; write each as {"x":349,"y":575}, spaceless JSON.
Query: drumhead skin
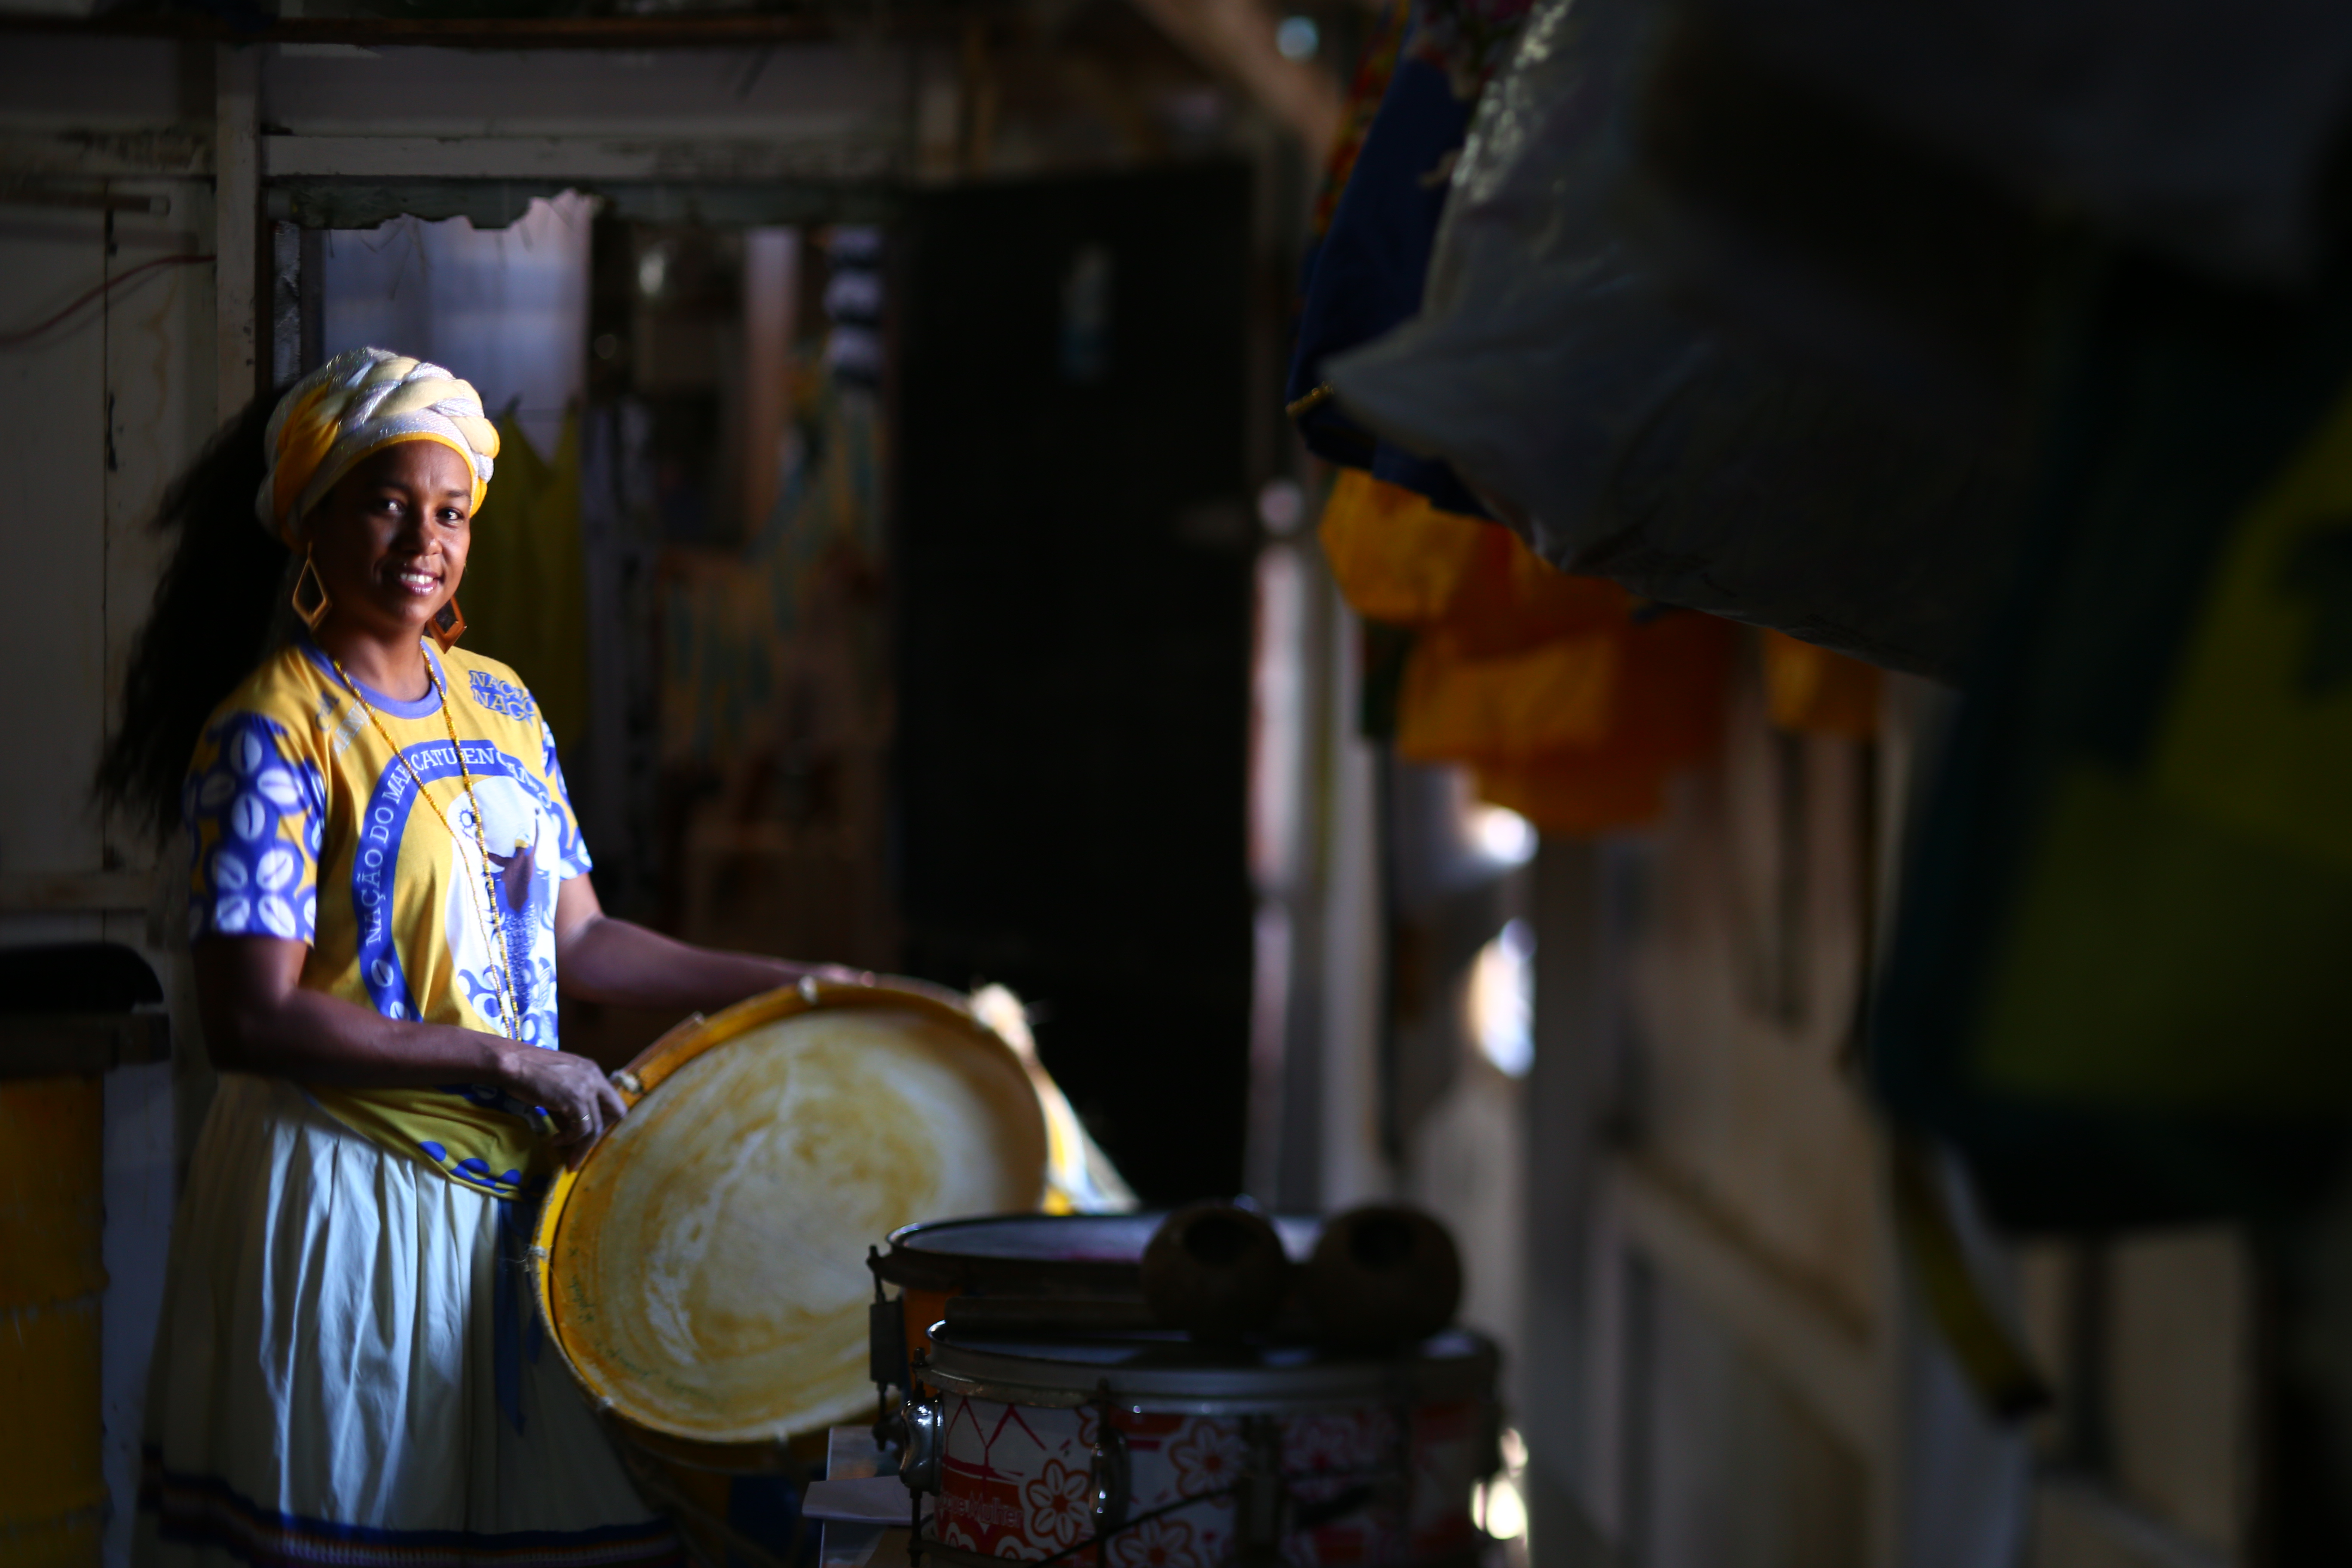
{"x":703,"y":1273}
{"x":1044,"y":1254}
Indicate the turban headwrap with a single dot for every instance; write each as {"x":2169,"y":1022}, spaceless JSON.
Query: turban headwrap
{"x":359,"y":402}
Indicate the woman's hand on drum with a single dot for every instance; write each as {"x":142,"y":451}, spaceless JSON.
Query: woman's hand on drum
{"x":573,"y":1091}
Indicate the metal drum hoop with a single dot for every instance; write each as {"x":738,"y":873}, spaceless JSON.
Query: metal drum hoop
{"x":1404,"y":1382}
{"x":919,"y":1268}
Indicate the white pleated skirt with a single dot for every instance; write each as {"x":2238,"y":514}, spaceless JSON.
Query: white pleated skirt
{"x":327,"y":1381}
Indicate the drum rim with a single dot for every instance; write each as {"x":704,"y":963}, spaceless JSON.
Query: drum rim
{"x":1083,"y":1555}
{"x":977,"y":1374}
{"x":914,"y":1269}
{"x":690,"y":1038}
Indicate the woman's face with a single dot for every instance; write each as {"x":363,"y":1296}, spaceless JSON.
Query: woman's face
{"x":389,"y":540}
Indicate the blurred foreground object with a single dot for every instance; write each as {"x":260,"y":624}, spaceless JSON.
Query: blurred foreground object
{"x":1622,"y":437}
{"x":2200,"y":129}
{"x":2117,"y":982}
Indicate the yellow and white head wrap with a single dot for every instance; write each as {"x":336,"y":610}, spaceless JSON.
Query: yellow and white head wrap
{"x":362,"y":401}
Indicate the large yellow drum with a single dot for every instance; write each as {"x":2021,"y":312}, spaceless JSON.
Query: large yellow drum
{"x":703,"y":1273}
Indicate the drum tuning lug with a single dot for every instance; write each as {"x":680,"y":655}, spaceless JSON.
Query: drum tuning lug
{"x":809,"y":989}
{"x":919,"y":1465}
{"x":1260,"y":1505}
{"x":627,"y":1082}
{"x":536,"y":1253}
{"x":1109,"y":1471}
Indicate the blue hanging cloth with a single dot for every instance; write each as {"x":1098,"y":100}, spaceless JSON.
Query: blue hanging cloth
{"x":1366,"y":275}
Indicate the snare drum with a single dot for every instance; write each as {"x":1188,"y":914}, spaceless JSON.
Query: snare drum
{"x":699,"y":1273}
{"x":1094,"y":1259}
{"x":1150,"y":1451}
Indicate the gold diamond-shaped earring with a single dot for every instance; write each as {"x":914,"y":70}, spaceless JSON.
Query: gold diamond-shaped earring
{"x":449,"y":625}
{"x":316,"y":611}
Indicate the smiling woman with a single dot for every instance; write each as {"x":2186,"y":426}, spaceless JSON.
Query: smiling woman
{"x":388,"y":888}
{"x":389,"y":557}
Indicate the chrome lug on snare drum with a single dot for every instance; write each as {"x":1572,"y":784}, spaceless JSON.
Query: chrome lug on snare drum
{"x":926,"y":1429}
{"x":1111,"y":1472}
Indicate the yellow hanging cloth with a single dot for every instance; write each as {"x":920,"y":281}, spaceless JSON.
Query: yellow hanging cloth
{"x":525,"y":591}
{"x":1813,"y":691}
{"x":1569,"y":712}
{"x":1665,"y":713}
{"x":1556,"y":695}
{"x":1398,"y":558}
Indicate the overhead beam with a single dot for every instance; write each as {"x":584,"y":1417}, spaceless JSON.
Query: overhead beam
{"x":1234,"y":39}
{"x":489,"y":32}
{"x":835,"y":156}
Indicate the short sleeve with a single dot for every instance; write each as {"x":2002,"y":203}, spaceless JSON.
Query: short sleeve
{"x":572,"y":848}
{"x":256,"y":811}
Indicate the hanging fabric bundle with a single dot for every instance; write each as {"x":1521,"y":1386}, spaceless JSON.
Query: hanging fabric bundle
{"x":1385,"y":188}
{"x":1570,"y":706}
{"x":1552,"y":370}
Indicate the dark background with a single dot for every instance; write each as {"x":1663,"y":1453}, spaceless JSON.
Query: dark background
{"x":1072,"y":569}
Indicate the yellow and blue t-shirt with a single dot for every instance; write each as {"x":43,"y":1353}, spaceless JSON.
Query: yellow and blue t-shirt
{"x":306,"y":828}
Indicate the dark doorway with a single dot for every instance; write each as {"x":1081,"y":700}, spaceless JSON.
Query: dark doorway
{"x":1072,"y":561}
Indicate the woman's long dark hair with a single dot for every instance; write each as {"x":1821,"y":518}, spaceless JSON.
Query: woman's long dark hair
{"x":213,"y":618}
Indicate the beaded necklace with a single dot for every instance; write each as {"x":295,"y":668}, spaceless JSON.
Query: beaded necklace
{"x":493,"y":929}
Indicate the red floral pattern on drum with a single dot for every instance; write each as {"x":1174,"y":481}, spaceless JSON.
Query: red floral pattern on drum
{"x":1207,"y":1457}
{"x":1144,"y":1429}
{"x":1328,"y":1455}
{"x":1344,"y":1443}
{"x":1157,"y":1543}
{"x":1058,"y":1505}
{"x":1015,"y":1484}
